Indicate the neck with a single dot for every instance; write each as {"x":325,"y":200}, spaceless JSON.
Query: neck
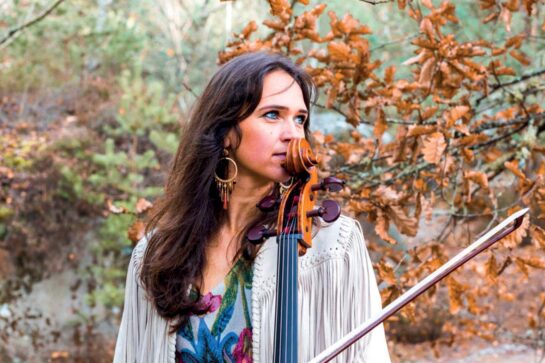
{"x":242,"y":205}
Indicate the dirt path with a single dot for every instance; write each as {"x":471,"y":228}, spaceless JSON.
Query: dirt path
{"x":503,"y":353}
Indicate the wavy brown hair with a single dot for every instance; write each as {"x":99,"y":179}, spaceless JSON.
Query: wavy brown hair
{"x":190,"y":211}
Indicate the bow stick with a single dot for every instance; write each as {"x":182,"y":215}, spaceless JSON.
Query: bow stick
{"x":491,"y":237}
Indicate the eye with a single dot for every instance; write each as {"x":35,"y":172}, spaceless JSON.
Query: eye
{"x":301,"y":119}
{"x":273,"y":115}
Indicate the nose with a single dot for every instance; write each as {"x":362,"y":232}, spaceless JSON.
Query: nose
{"x":291,"y":130}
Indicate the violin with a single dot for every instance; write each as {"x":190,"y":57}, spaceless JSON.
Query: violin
{"x":296,"y":211}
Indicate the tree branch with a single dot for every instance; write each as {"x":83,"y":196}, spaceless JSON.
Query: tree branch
{"x":40,"y":17}
{"x":376,"y":2}
{"x":499,"y":86}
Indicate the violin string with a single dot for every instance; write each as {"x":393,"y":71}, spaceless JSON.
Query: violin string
{"x":292,"y":250}
{"x":289,"y":257}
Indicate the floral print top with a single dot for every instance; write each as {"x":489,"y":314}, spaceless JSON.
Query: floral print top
{"x":223,"y":333}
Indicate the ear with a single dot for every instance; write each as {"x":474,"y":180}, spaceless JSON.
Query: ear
{"x":228,"y":141}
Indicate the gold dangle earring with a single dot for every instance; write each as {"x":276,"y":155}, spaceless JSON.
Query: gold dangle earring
{"x":226,"y":186}
{"x":284,"y":187}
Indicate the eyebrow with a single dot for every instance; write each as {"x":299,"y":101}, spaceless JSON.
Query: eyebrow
{"x":280,"y":108}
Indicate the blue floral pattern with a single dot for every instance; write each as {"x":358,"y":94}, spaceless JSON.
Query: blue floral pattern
{"x":223,"y":333}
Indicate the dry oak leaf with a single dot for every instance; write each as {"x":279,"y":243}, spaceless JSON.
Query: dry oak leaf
{"x":520,"y":57}
{"x":115,"y":209}
{"x":515,"y":238}
{"x":426,"y":73}
{"x":534,"y":262}
{"x":143,"y":205}
{"x":521,"y":266}
{"x":248,"y":30}
{"x":418,"y":130}
{"x":386,"y":196}
{"x":433,"y":147}
{"x":281,"y":9}
{"x":380,"y":124}
{"x":491,"y":269}
{"x":136,"y":231}
{"x":339,"y":52}
{"x":452,"y":115}
{"x":477,"y":177}
{"x":386,"y":273}
{"x":381,"y":228}
{"x":538,"y":236}
{"x":455,"y":291}
{"x":428,"y":4}
{"x":429,"y":112}
{"x":405,"y":224}
{"x":468,"y":155}
{"x":512,"y":166}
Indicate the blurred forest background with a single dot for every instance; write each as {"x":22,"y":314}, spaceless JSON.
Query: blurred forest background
{"x":431,"y":110}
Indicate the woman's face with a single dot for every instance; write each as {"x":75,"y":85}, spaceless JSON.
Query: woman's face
{"x":279,"y":117}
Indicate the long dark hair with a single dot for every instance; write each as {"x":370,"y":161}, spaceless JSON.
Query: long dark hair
{"x":190,"y":211}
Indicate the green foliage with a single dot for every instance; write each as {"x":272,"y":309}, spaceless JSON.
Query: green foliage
{"x":110,"y":269}
{"x":96,"y":37}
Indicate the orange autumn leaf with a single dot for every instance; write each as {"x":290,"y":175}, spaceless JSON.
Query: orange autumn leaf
{"x":512,"y":166}
{"x":386,"y":273}
{"x":516,"y":237}
{"x":455,"y":291}
{"x":454,"y":114}
{"x":521,"y":57}
{"x":115,"y":209}
{"x":404,"y":223}
{"x":136,"y":231}
{"x":280,"y":8}
{"x":477,"y":177}
{"x":426,"y":73}
{"x":250,"y":28}
{"x":534,"y":262}
{"x":427,"y":27}
{"x":538,"y":236}
{"x":522,"y":267}
{"x":429,"y":112}
{"x":428,"y":4}
{"x":389,"y":74}
{"x":468,"y":155}
{"x":338,"y":51}
{"x":418,"y":130}
{"x":433,"y":147}
{"x":142,"y":205}
{"x":381,"y":228}
{"x":491,"y":267}
{"x":380,"y":124}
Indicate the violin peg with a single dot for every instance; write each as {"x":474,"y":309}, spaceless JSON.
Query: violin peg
{"x":329,"y":211}
{"x":258,"y":234}
{"x":268,"y":203}
{"x":330,"y":184}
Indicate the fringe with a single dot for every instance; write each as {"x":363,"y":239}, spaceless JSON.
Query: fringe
{"x":337,"y":292}
{"x":143,"y":335}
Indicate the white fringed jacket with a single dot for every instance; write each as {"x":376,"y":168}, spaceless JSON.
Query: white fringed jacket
{"x":337,"y":292}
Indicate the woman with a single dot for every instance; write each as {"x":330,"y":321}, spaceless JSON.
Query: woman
{"x":197,"y":290}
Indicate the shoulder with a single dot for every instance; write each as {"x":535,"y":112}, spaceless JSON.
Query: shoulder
{"x":137,"y":256}
{"x":337,"y":237}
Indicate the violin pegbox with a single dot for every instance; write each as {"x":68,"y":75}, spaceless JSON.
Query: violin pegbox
{"x":296,"y":208}
{"x":301,"y":161}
